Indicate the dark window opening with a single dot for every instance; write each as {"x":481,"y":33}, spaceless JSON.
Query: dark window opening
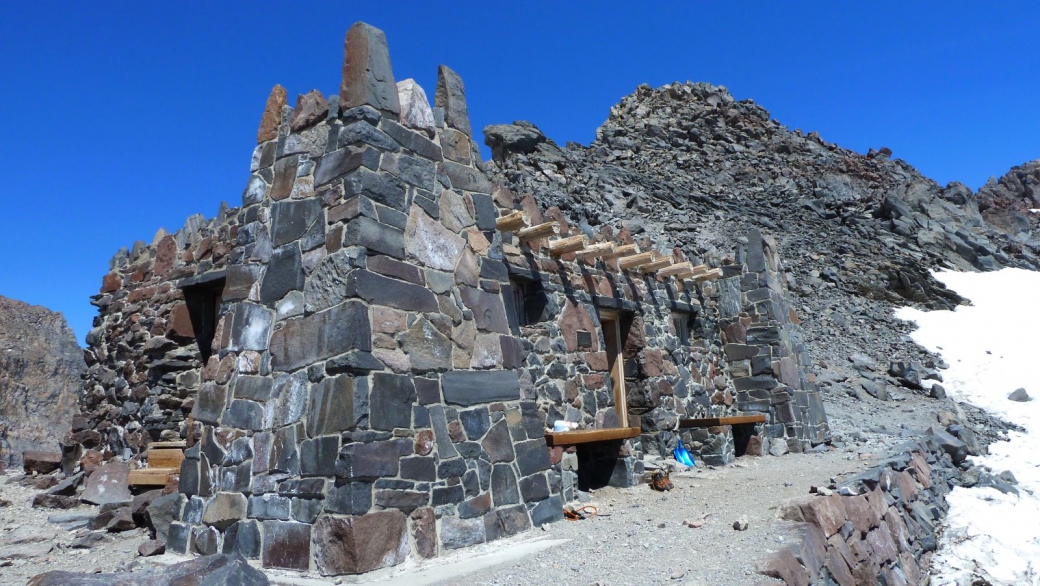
{"x":530,"y":302}
{"x":683,"y":324}
{"x":203,"y":303}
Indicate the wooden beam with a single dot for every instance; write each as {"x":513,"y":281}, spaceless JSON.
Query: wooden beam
{"x":595,"y":251}
{"x":151,"y":476}
{"x":569,"y":244}
{"x":584,"y":436}
{"x":717,"y":421}
{"x":622,"y":251}
{"x":657,"y":265}
{"x":165,"y":458}
{"x":539,"y":231}
{"x":708,"y":276}
{"x":637,"y":260}
{"x":675,"y":269}
{"x":699,"y":269}
{"x":512,"y":222}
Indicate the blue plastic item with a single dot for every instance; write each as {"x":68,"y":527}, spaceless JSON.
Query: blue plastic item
{"x":683,"y":457}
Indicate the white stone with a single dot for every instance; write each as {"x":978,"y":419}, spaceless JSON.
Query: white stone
{"x":415,"y":107}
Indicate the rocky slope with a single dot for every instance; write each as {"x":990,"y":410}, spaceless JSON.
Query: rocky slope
{"x":687,"y":165}
{"x":40,"y":368}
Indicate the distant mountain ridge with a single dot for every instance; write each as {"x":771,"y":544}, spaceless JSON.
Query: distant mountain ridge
{"x":688,"y":166}
{"x":40,"y":368}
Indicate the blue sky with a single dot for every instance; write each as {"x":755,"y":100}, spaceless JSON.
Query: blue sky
{"x":123,"y":117}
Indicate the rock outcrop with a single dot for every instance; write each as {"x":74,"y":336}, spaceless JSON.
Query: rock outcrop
{"x":40,"y":368}
{"x":689,"y":166}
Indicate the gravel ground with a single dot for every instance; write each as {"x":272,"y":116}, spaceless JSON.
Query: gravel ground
{"x":31,"y":524}
{"x":683,"y":537}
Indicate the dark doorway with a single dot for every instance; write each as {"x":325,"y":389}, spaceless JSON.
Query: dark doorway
{"x":203,"y":303}
{"x":742,"y":434}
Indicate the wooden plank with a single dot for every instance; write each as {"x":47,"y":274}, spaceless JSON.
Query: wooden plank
{"x":511,"y":222}
{"x":151,"y":476}
{"x":585,"y":436}
{"x":717,"y":421}
{"x":569,"y":244}
{"x":539,"y":231}
{"x":164,"y":458}
{"x":163,"y":445}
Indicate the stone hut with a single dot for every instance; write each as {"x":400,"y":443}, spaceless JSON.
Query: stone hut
{"x":365,"y":358}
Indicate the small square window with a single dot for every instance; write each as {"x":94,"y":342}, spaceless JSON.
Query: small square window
{"x":530,"y":302}
{"x":682,"y":323}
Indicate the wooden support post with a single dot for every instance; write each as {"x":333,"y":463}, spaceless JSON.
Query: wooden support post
{"x":539,"y":231}
{"x":699,"y":269}
{"x":656,"y":265}
{"x":595,"y":250}
{"x":569,"y":244}
{"x":622,"y":251}
{"x":676,"y":269}
{"x":512,"y":222}
{"x":637,"y":260}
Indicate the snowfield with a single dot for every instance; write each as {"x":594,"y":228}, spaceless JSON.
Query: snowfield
{"x":992,"y":348}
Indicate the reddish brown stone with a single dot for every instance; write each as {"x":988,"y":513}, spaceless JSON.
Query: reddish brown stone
{"x":574,"y":318}
{"x":311,"y":108}
{"x":594,"y":381}
{"x":839,"y":570}
{"x":785,"y":566}
{"x":861,"y":514}
{"x":140,"y":294}
{"x":653,"y":362}
{"x":91,"y":460}
{"x":354,"y":545}
{"x":596,"y":361}
{"x":456,"y":431}
{"x":665,"y":388}
{"x":423,"y":529}
{"x":287,"y":545}
{"x":635,"y":340}
{"x":877,"y":502}
{"x":40,"y":462}
{"x":272,"y":117}
{"x":754,"y":446}
{"x":179,"y":327}
{"x":881,"y":543}
{"x":735,"y":333}
{"x":424,"y":442}
{"x":165,"y":255}
{"x":828,"y":513}
{"x":110,"y":283}
{"x":921,"y":470}
{"x":898,"y":528}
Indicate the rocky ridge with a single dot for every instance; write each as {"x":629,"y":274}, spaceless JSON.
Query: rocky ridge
{"x":40,"y":368}
{"x":687,"y":165}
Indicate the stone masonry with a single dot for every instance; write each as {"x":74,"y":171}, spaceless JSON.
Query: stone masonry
{"x":364,"y":367}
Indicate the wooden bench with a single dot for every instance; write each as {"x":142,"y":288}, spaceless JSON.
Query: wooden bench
{"x":720,"y":421}
{"x":164,"y":460}
{"x":585,"y":436}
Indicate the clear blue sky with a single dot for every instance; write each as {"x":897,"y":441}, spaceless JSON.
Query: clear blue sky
{"x":119,"y":118}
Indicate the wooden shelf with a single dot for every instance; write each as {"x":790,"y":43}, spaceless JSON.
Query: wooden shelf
{"x":719,"y":421}
{"x":585,"y":436}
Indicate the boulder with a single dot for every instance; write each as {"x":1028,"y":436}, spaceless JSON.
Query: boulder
{"x":1019,"y":396}
{"x":108,"y":484}
{"x":212,"y":570}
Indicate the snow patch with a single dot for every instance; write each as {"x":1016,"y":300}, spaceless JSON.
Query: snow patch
{"x":991,"y":349}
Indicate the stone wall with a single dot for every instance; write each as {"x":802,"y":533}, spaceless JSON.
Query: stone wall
{"x":880,"y":527}
{"x":376,"y":388}
{"x":144,"y":363}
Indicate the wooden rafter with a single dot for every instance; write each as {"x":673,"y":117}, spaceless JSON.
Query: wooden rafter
{"x":595,"y":251}
{"x":512,"y":222}
{"x":676,"y":269}
{"x":708,"y":276}
{"x":622,"y":251}
{"x":657,"y":265}
{"x":637,"y":260}
{"x":569,"y":244}
{"x":540,"y":231}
